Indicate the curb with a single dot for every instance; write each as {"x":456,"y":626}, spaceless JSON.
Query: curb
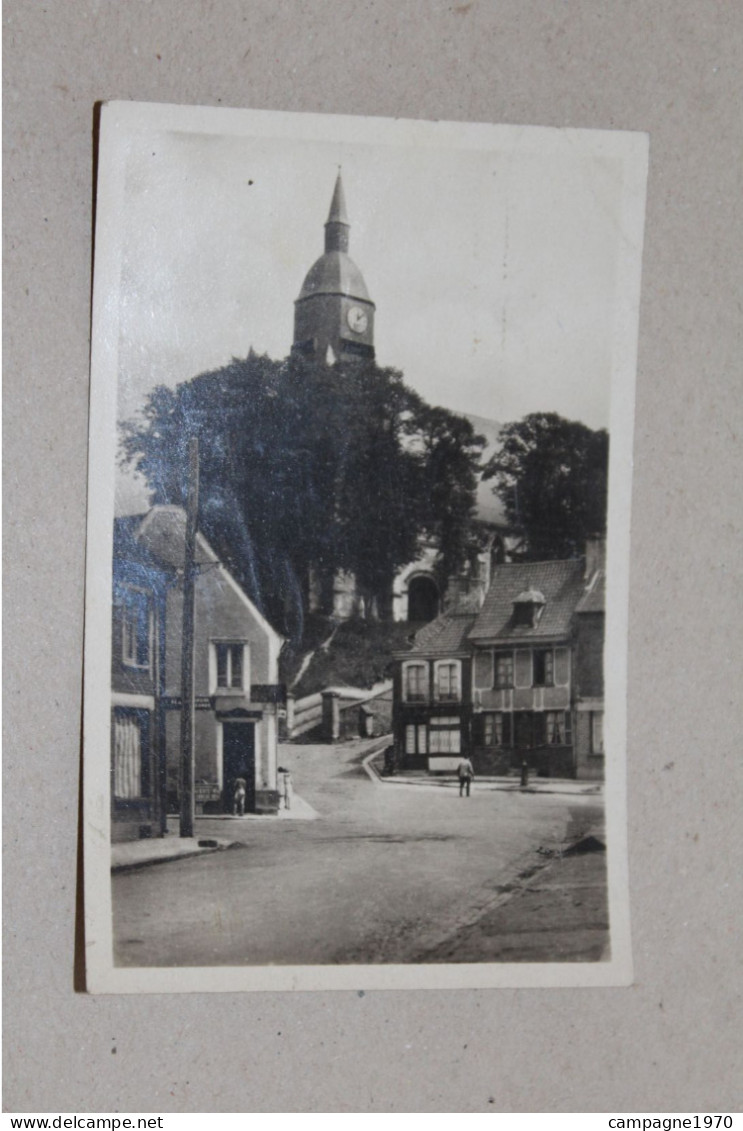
{"x":150,"y":861}
{"x":591,"y":789}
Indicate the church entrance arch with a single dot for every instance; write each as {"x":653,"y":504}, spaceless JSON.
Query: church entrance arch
{"x":423,"y":598}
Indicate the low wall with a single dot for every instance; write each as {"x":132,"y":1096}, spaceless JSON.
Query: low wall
{"x":340,"y":713}
{"x":367,"y":719}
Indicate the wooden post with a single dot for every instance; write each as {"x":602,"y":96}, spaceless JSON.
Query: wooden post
{"x":331,"y":716}
{"x":289,"y":719}
{"x":187,"y":649}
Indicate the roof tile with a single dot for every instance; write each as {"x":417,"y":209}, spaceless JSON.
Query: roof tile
{"x":562,"y":584}
{"x":443,"y":636}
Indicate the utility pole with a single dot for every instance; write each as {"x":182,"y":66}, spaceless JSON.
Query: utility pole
{"x":187,"y":648}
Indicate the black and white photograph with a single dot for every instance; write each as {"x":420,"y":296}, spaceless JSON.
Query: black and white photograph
{"x":362,"y":400}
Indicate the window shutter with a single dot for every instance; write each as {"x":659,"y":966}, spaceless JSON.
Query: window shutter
{"x":523,"y":668}
{"x":562,"y":667}
{"x":484,"y":669}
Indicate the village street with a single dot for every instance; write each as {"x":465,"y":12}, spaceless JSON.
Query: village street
{"x":387,"y":873}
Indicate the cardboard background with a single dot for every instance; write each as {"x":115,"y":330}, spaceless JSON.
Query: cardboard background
{"x":669,"y":1043}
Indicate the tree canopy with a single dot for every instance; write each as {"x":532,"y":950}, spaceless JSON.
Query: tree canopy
{"x":306,"y":468}
{"x":551,"y":475}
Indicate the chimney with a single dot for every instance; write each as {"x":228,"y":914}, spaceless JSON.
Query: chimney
{"x":595,"y":555}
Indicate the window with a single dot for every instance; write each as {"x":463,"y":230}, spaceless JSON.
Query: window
{"x":544,"y":668}
{"x":415,"y":739}
{"x":444,"y":736}
{"x":130,"y":748}
{"x":597,"y":732}
{"x":447,"y":681}
{"x":557,"y":728}
{"x":136,"y":628}
{"x":496,"y":729}
{"x":229,"y":664}
{"x":415,"y":681}
{"x":528,"y":608}
{"x":523,"y":613}
{"x":504,"y":669}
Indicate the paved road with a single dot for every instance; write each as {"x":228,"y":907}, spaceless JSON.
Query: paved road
{"x":387,"y":873}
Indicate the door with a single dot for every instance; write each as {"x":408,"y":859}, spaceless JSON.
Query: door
{"x":238,"y":761}
{"x":423,"y":599}
{"x":523,"y":731}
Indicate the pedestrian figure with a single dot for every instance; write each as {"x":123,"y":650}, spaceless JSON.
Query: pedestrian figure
{"x":287,"y":787}
{"x":238,"y":798}
{"x":465,"y":773}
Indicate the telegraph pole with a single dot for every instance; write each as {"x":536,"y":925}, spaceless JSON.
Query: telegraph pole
{"x":187,"y":648}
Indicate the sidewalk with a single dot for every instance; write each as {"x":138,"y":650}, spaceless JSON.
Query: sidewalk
{"x":133,"y":854}
{"x":373,"y":765}
{"x":157,"y":850}
{"x":566,"y":889}
{"x":300,"y":811}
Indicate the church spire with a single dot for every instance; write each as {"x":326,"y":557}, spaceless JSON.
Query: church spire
{"x":337,"y":227}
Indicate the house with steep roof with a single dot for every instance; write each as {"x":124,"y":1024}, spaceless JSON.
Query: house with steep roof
{"x":237,"y":694}
{"x":530,"y":664}
{"x":523,"y":667}
{"x":432,"y":695}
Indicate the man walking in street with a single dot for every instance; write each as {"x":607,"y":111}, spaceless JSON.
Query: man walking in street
{"x":465,"y":773}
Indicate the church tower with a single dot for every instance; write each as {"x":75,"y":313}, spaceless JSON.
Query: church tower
{"x":334,"y":316}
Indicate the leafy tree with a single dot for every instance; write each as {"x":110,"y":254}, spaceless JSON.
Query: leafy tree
{"x":451,"y":450}
{"x":551,"y":475}
{"x":306,"y":468}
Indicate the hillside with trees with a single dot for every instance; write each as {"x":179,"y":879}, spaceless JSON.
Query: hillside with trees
{"x":307,"y":469}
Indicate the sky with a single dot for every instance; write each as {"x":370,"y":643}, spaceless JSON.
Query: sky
{"x":493,"y":267}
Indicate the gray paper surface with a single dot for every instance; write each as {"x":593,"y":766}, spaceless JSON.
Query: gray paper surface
{"x":666,"y":1043}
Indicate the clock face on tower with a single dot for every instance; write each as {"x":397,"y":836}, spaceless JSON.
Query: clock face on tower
{"x":357,"y":319}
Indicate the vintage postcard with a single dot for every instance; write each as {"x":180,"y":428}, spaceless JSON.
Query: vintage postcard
{"x":362,"y":402}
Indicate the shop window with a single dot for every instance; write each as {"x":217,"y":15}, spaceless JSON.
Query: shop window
{"x":136,"y":628}
{"x":558,"y":731}
{"x":496,"y":729}
{"x":597,"y":732}
{"x":445,"y":736}
{"x":447,"y":681}
{"x":504,"y":669}
{"x":544,"y":668}
{"x":415,"y":683}
{"x":415,"y":739}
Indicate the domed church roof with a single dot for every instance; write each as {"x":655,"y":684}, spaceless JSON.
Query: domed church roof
{"x":334,"y":273}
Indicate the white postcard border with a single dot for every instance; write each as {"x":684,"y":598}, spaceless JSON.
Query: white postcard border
{"x":118,"y":121}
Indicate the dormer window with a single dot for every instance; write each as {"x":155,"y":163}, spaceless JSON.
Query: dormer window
{"x":528,"y":608}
